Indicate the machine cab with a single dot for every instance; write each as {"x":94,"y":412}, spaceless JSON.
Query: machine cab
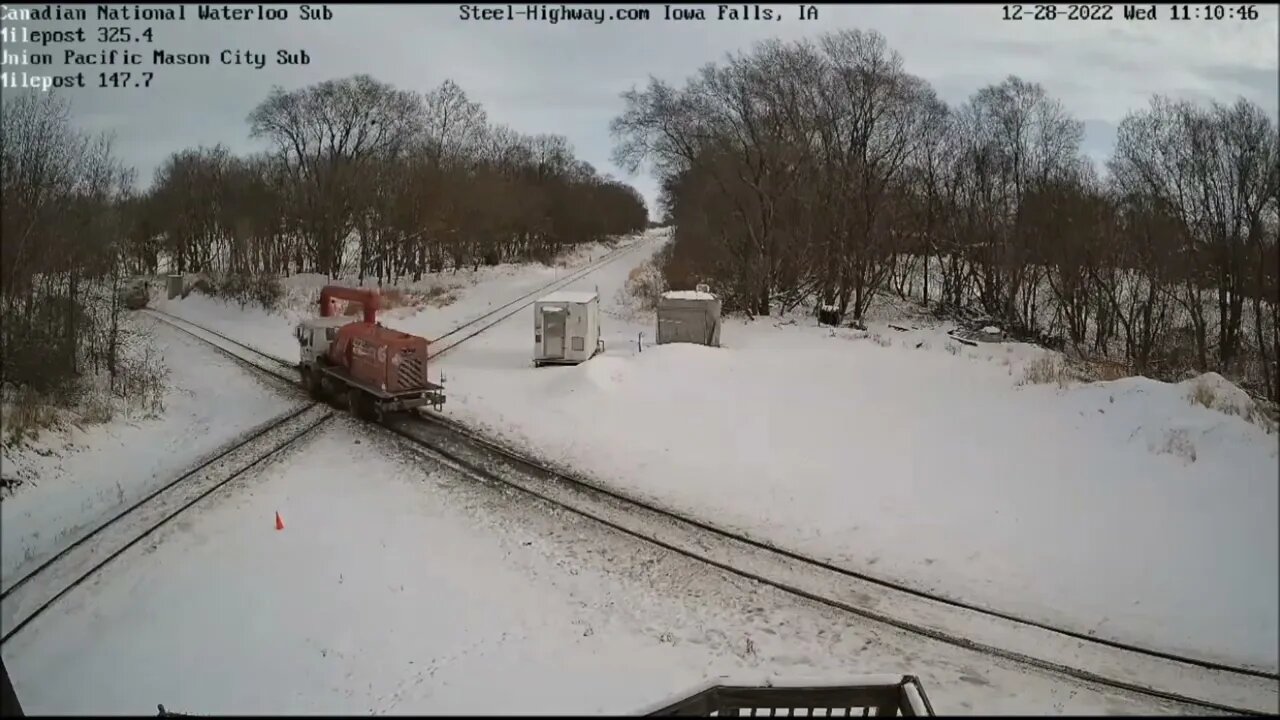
{"x":314,"y":336}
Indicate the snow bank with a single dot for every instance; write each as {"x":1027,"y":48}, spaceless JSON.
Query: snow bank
{"x":396,"y":588}
{"x":1218,"y":393}
{"x":1108,"y":508}
{"x":83,"y":477}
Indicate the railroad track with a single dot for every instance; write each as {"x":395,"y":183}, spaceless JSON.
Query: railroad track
{"x":525,"y":301}
{"x":37,"y":591}
{"x":568,"y":479}
{"x":1149,"y":673}
{"x":274,"y":366}
{"x":286,"y":370}
{"x":1196,"y":683}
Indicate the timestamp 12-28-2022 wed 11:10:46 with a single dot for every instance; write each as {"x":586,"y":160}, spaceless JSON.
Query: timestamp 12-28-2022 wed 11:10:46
{"x":1209,"y":12}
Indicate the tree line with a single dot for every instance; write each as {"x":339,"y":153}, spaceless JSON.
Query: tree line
{"x":380,"y":182}
{"x":61,"y":230}
{"x":360,"y":178}
{"x":821,"y":171}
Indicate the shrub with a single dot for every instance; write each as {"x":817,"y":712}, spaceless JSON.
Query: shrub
{"x":1046,"y":369}
{"x":264,"y":291}
{"x":646,"y":284}
{"x":95,"y":408}
{"x":24,"y":413}
{"x":1106,"y":370}
{"x":439,"y":295}
{"x":141,"y":381}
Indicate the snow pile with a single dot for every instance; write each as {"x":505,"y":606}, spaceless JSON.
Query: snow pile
{"x":1105,"y":507}
{"x":606,"y":376}
{"x":1218,"y":393}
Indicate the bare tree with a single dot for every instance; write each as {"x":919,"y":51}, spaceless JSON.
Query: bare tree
{"x":60,"y":190}
{"x":328,"y":136}
{"x":1215,"y":169}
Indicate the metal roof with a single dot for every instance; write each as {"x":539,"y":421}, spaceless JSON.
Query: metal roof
{"x":687,"y":295}
{"x":570,"y":296}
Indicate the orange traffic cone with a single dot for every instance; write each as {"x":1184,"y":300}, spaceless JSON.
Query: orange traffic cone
{"x":279,"y":521}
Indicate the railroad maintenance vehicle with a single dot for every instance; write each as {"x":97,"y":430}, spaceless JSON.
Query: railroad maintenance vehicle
{"x":374,"y":369}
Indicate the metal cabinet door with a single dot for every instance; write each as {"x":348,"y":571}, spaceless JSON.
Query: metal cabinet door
{"x":553,"y":333}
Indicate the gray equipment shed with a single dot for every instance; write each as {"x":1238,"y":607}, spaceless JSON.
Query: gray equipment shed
{"x":691,"y":316}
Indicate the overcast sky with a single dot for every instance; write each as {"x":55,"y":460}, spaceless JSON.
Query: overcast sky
{"x":566,"y":78}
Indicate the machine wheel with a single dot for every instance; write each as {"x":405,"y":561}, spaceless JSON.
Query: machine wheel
{"x":361,"y":404}
{"x":311,"y":381}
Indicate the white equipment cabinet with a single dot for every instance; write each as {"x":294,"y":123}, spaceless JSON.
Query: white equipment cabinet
{"x":566,"y":328}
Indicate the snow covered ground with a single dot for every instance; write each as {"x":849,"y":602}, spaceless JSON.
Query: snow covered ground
{"x":472,"y":294}
{"x":77,"y":479}
{"x":398,"y":587}
{"x":1122,"y":509}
